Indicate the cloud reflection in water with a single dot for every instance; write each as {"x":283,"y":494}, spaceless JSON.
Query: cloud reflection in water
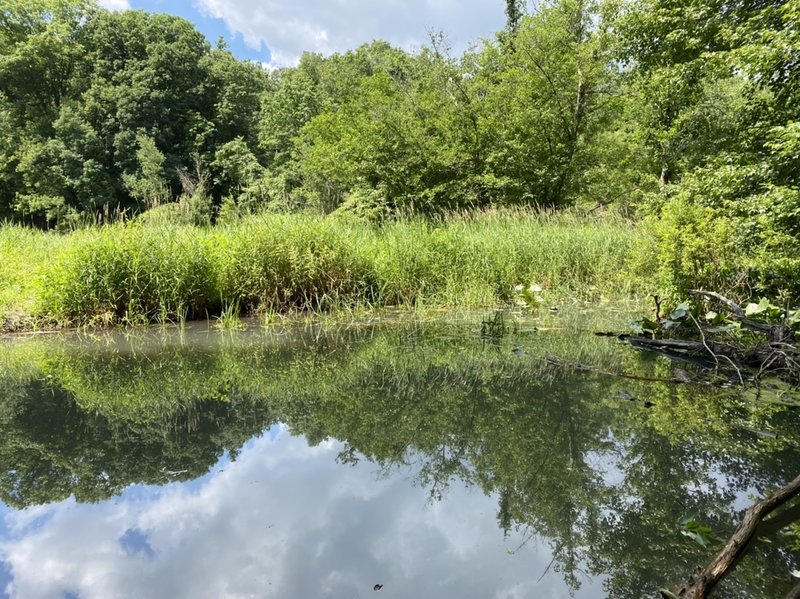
{"x":283,"y":520}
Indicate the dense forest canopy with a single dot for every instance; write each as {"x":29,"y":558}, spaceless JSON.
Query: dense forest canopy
{"x":680,"y":111}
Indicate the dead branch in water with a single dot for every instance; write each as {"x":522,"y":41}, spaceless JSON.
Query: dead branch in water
{"x":775,"y":333}
{"x":700,"y":585}
{"x":777,"y":354}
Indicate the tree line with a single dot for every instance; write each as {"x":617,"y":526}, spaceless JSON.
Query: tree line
{"x":677,"y":108}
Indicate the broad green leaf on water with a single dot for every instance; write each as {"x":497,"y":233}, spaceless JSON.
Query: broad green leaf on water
{"x":751,"y":309}
{"x":761,"y":306}
{"x":696,"y":537}
{"x":679,"y":312}
{"x":685,"y":520}
{"x":698,"y":532}
{"x":650,"y":325}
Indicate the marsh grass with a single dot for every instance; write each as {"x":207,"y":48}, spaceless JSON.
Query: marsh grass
{"x":228,"y":319}
{"x":23,"y":254}
{"x":137,"y":273}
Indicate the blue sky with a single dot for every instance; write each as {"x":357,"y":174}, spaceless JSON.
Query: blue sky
{"x":276,"y":32}
{"x":211,"y":27}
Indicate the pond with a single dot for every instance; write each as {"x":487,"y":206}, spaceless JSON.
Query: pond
{"x":395,"y":457}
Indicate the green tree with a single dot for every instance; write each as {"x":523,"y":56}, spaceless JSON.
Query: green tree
{"x":713,"y":93}
{"x":284,"y":112}
{"x":149,"y":184}
{"x":514,"y":12}
{"x":546,"y":98}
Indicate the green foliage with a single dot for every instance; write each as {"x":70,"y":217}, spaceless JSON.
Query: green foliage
{"x":163,"y":266}
{"x":106,"y":107}
{"x":229,"y":320}
{"x":528,"y":296}
{"x":25,"y":252}
{"x":284,"y":112}
{"x":514,"y":11}
{"x":149,"y":184}
{"x":701,"y":534}
{"x":716,"y":116}
{"x":501,"y":126}
{"x":130,"y":272}
{"x":681,"y":112}
{"x":237,"y":170}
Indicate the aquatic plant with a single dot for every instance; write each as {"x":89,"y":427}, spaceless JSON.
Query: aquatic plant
{"x":147,"y":272}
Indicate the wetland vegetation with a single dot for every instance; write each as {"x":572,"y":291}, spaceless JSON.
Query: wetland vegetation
{"x":589,"y":154}
{"x":182,"y":170}
{"x":135,"y":274}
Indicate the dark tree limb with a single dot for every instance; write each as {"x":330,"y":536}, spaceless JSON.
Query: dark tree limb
{"x":775,"y":524}
{"x":776,"y":333}
{"x":700,"y":585}
{"x":697,"y":348}
{"x":734,"y":308}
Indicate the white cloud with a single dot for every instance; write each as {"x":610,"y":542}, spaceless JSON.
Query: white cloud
{"x":284,"y":520}
{"x":288,"y":28}
{"x":115,"y":4}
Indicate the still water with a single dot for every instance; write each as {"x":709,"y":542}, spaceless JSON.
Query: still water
{"x":393,"y":458}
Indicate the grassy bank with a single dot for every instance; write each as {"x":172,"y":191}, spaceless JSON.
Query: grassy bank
{"x":139,"y":273}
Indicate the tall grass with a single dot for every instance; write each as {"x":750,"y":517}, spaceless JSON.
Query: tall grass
{"x":140,"y":272}
{"x":130,"y":273}
{"x":23,"y":255}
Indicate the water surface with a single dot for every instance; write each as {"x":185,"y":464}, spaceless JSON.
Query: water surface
{"x":322,"y":460}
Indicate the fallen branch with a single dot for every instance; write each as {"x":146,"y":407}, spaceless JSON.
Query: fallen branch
{"x":676,"y":380}
{"x":700,"y":585}
{"x":775,"y":332}
{"x":732,"y":306}
{"x":695,"y":348}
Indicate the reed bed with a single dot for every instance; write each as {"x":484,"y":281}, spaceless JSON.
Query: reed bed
{"x":136,"y":273}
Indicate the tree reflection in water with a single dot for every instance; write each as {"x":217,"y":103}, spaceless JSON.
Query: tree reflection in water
{"x":602,"y":480}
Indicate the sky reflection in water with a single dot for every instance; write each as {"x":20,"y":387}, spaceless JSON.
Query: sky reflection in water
{"x":283,"y":520}
{"x":117,"y":457}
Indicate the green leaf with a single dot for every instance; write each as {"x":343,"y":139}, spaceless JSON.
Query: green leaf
{"x":758,"y":308}
{"x":679,"y":312}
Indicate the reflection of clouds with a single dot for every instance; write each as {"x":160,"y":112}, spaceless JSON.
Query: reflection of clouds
{"x":134,"y":542}
{"x":282,"y":521}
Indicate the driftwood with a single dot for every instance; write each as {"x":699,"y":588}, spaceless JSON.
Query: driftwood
{"x":776,"y":353}
{"x":752,"y":525}
{"x":775,"y":333}
{"x":691,"y":347}
{"x":681,"y":377}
